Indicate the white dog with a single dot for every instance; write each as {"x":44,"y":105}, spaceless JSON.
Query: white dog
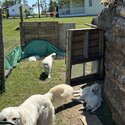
{"x":61,"y":94}
{"x":91,"y":95}
{"x":92,"y":102}
{"x":36,"y":110}
{"x":95,"y":88}
{"x":47,"y":64}
{"x":34,"y":58}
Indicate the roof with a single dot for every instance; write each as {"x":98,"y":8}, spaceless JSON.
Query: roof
{"x":18,"y":5}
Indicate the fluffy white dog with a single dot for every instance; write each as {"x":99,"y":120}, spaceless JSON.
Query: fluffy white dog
{"x":95,"y":88}
{"x":36,"y":110}
{"x":91,"y":96}
{"x":34,"y":58}
{"x":47,"y":64}
{"x":92,"y":102}
{"x":61,"y":94}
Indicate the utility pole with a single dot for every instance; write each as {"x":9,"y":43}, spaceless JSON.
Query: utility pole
{"x":38,"y":7}
{"x":2,"y":80}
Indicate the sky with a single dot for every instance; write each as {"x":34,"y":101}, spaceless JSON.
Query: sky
{"x":30,"y":2}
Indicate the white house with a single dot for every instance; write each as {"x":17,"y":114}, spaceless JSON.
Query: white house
{"x":14,"y":10}
{"x":68,"y":8}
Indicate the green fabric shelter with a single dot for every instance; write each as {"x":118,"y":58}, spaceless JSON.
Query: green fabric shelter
{"x":13,"y":58}
{"x":41,"y":48}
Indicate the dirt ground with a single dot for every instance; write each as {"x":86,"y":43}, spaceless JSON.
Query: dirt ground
{"x":71,"y":114}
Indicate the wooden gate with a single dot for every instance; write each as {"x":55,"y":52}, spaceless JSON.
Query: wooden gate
{"x":84,"y":46}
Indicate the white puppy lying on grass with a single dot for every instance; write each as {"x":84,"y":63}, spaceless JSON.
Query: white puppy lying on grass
{"x":47,"y":64}
{"x":61,"y":93}
{"x":36,"y":110}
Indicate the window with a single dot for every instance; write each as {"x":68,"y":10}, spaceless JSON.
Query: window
{"x":13,"y":10}
{"x":90,"y":3}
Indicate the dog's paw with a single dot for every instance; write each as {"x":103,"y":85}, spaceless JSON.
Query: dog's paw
{"x":82,"y":109}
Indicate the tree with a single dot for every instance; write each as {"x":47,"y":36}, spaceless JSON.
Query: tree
{"x":43,"y":6}
{"x":52,"y":5}
{"x":6,"y":9}
{"x":0,"y":4}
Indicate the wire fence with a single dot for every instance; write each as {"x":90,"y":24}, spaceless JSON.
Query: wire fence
{"x":11,"y":36}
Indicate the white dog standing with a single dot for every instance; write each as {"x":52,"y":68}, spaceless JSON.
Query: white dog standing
{"x":47,"y":64}
{"x":36,"y":110}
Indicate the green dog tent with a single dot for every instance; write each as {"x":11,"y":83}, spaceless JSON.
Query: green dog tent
{"x":40,"y":48}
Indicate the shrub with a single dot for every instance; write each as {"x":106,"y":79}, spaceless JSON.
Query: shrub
{"x":4,"y":15}
{"x":52,"y":14}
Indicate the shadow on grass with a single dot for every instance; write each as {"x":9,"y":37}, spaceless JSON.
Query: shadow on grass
{"x":43,"y":76}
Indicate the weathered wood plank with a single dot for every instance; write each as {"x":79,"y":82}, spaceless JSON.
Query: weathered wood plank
{"x":2,"y":80}
{"x":68,"y":57}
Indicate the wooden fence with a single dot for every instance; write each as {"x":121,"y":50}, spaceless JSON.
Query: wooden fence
{"x":2,"y":86}
{"x":50,"y":31}
{"x":84,"y":45}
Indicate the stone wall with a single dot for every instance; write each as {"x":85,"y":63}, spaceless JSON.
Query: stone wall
{"x":112,"y":20}
{"x":1,"y":56}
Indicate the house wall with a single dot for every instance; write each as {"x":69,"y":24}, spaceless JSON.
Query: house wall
{"x":16,"y":10}
{"x":80,"y":8}
{"x":77,"y":7}
{"x":28,"y":8}
{"x":78,"y":3}
{"x":94,"y":9}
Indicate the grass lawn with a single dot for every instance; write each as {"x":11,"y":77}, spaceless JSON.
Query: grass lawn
{"x":24,"y":80}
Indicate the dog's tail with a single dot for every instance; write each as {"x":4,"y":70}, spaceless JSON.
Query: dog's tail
{"x":49,"y":95}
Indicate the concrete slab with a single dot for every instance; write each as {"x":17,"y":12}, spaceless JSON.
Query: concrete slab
{"x":90,"y":120}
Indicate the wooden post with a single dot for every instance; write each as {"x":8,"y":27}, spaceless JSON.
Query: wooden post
{"x":21,"y":11}
{"x":86,"y":42}
{"x":68,"y":57}
{"x":85,"y":49}
{"x":2,"y":82}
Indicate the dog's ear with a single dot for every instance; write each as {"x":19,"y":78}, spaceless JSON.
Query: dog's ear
{"x":22,"y":117}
